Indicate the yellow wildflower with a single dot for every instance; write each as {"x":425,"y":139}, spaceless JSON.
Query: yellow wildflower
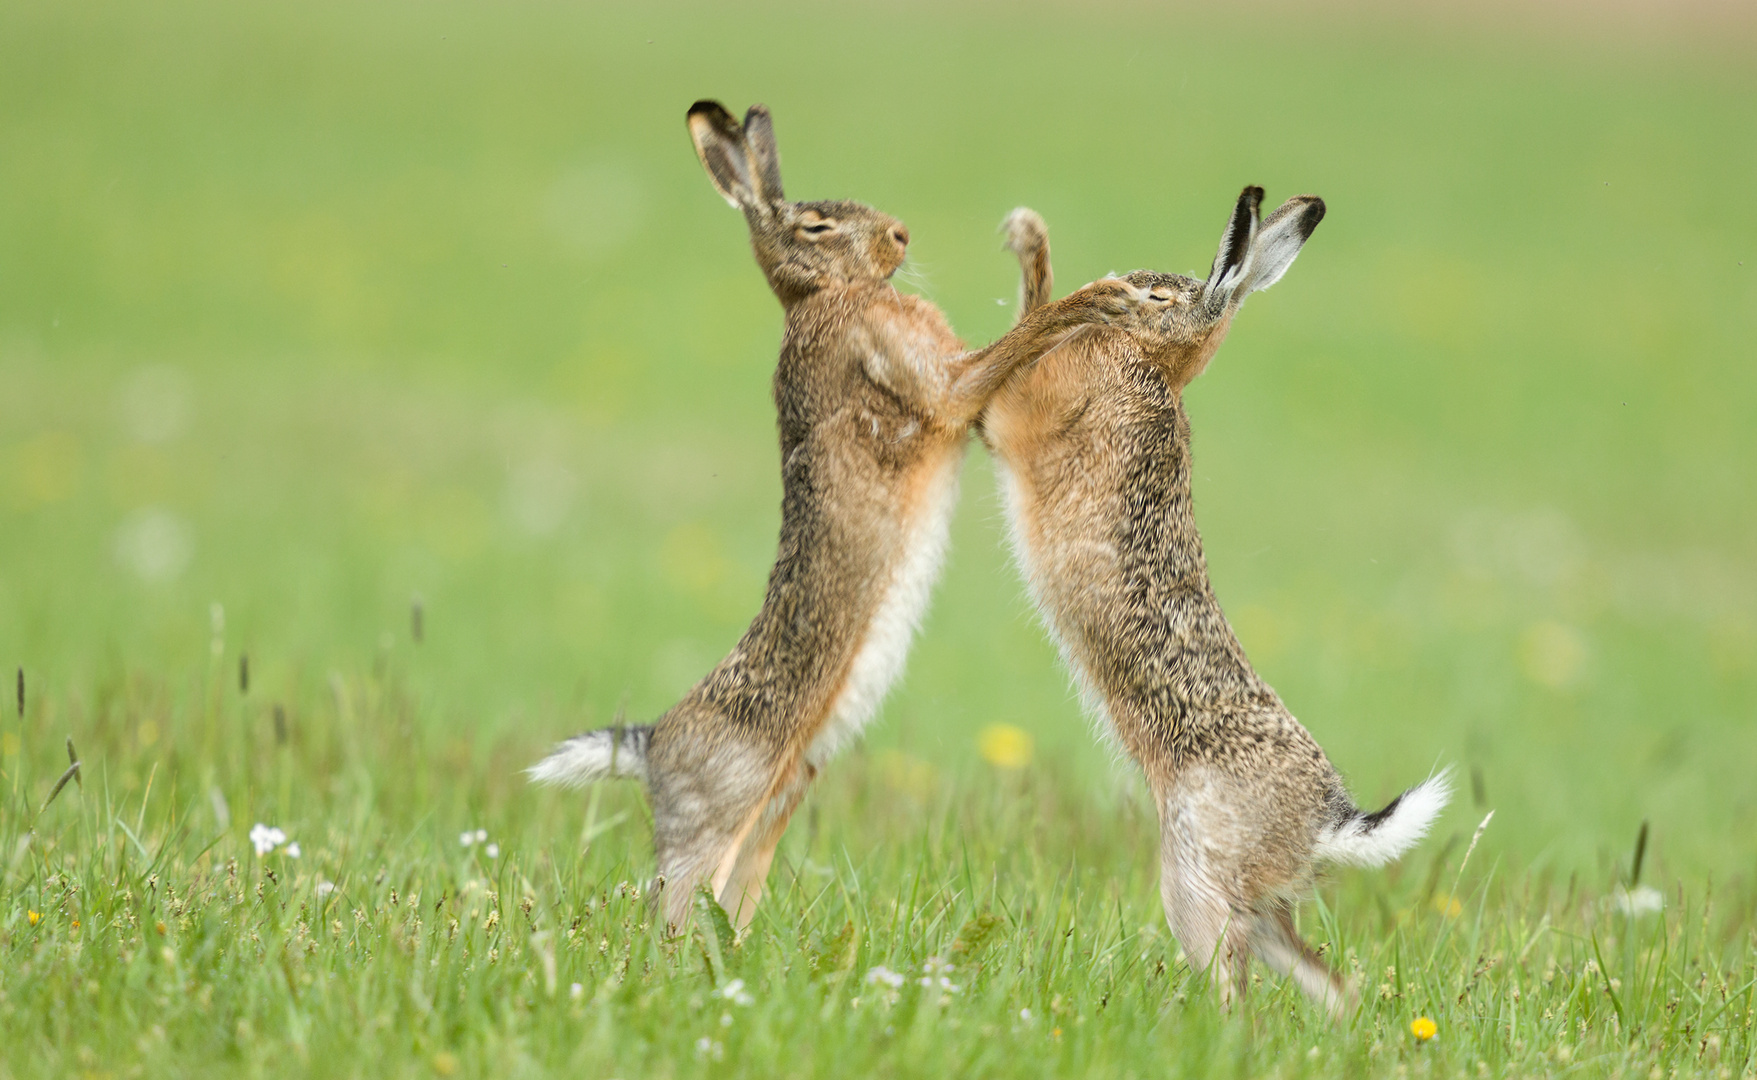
{"x":1423,"y":1029}
{"x":34,"y":916}
{"x":1005,"y":746}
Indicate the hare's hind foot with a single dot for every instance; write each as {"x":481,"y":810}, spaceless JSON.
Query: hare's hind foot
{"x":721,"y":831}
{"x":1215,"y":937}
{"x":1277,"y":943}
{"x":1222,"y":915}
{"x":1220,"y":936}
{"x":739,"y":879}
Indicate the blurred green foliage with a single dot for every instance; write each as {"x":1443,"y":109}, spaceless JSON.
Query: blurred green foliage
{"x":306,"y":311}
{"x":313,"y":315}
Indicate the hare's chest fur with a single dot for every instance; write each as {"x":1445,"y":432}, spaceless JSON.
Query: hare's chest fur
{"x":910,"y":579}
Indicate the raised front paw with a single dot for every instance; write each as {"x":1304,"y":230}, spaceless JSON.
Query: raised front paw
{"x":1112,"y":300}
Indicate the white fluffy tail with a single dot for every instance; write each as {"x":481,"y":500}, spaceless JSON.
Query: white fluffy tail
{"x":1374,"y":839}
{"x":606,"y":754}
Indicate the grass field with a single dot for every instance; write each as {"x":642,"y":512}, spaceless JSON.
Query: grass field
{"x":405,"y":351}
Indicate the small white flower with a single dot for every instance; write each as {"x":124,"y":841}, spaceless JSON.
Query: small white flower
{"x":936,"y":965}
{"x":725,"y":1019}
{"x":493,"y":851}
{"x":884,"y":975}
{"x":324,"y":888}
{"x":265,"y":838}
{"x":734,"y":992}
{"x":481,"y":836}
{"x":1025,"y":1015}
{"x":292,"y":850}
{"x":466,"y":838}
{"x":1641,"y":900}
{"x":576,"y":991}
{"x":704,"y":1046}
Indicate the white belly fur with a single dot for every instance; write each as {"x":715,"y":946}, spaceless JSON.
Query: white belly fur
{"x":881,"y":656}
{"x":1017,"y":498}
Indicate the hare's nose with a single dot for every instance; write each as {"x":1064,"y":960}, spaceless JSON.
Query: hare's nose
{"x":901,"y":235}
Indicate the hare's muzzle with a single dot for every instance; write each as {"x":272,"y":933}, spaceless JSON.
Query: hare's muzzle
{"x":890,"y":248}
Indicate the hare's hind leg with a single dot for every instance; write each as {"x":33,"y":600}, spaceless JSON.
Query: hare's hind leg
{"x":689,"y":858}
{"x":1213,"y":930}
{"x":704,"y":806}
{"x":739,"y":880}
{"x":1276,"y":942}
{"x":1214,"y":935}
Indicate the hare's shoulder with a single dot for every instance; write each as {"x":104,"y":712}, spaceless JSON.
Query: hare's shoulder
{"x":919,"y":321}
{"x":1063,"y":399}
{"x":904,"y":345}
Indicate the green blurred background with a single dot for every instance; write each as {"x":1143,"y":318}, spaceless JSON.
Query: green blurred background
{"x":306,"y":311}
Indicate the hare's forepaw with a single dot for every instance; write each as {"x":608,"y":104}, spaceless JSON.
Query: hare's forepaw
{"x":1112,"y":299}
{"x":1025,"y":231}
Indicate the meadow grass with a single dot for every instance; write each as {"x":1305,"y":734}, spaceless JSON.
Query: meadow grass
{"x":310,"y":316}
{"x":144,"y":933}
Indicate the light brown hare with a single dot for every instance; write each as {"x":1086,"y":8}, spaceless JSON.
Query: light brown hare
{"x":875,"y":398}
{"x":1093,"y":448}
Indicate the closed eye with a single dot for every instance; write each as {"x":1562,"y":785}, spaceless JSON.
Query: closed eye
{"x":1161,"y":298}
{"x":818,"y":227}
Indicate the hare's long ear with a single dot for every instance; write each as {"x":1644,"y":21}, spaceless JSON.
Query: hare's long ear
{"x":1235,"y":249}
{"x":719,"y":142}
{"x":741,"y":160}
{"x":759,"y":139}
{"x":1278,"y":241}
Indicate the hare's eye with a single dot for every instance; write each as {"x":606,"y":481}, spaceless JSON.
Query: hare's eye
{"x":1161,"y":298}
{"x":818,"y":227}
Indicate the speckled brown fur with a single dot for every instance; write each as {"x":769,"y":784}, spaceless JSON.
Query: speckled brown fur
{"x":1094,"y":448}
{"x":874,"y":396}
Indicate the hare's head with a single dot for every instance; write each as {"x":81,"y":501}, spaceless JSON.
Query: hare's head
{"x":1181,"y":321}
{"x":802,"y":246}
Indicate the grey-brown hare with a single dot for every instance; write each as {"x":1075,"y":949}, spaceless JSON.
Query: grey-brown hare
{"x":875,"y":396}
{"x":1093,"y":447}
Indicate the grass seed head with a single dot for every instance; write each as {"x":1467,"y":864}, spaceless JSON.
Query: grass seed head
{"x":71,"y":773}
{"x":1639,"y":857}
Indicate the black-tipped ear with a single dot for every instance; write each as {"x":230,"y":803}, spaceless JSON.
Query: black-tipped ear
{"x":1235,"y":242}
{"x":719,"y":142}
{"x":1278,"y":242}
{"x":759,"y":139}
